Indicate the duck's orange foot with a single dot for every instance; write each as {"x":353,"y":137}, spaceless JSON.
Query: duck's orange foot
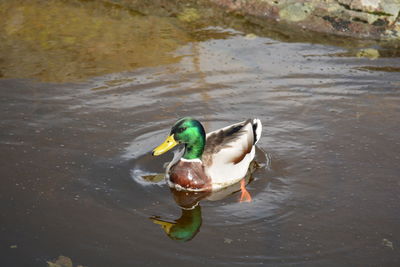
{"x":245,"y":196}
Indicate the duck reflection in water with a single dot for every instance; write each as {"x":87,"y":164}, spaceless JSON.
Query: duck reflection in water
{"x":188,"y":224}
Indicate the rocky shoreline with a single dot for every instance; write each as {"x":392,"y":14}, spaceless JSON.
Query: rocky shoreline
{"x":369,"y":19}
{"x":376,"y":20}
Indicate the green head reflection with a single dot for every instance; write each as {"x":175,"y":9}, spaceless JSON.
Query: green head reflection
{"x":184,"y":228}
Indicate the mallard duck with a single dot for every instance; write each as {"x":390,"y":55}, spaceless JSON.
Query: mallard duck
{"x":210,"y":162}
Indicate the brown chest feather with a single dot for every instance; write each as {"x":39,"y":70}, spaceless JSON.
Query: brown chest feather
{"x":189,"y":175}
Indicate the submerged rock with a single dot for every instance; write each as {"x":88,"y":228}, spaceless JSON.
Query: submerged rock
{"x":387,"y":243}
{"x":368,"y":53}
{"x":250,"y":36}
{"x":62,"y":261}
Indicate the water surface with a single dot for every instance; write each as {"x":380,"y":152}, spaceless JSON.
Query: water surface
{"x":72,"y":152}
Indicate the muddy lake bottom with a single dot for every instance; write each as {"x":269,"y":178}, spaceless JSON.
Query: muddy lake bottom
{"x":74,"y":153}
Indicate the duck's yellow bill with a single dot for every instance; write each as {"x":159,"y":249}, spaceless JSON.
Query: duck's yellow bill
{"x":165,"y":225}
{"x":164,"y":147}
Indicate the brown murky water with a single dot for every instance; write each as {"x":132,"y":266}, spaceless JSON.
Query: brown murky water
{"x":74,"y":153}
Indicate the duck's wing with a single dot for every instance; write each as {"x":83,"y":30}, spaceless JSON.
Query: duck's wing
{"x":231,"y":143}
{"x":230,"y":150}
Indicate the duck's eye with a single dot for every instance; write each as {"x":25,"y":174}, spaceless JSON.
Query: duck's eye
{"x":181,"y":129}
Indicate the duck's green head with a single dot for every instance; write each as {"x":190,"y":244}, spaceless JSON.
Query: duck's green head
{"x":186,"y":131}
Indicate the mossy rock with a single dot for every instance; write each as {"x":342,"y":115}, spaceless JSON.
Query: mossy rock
{"x":296,"y":12}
